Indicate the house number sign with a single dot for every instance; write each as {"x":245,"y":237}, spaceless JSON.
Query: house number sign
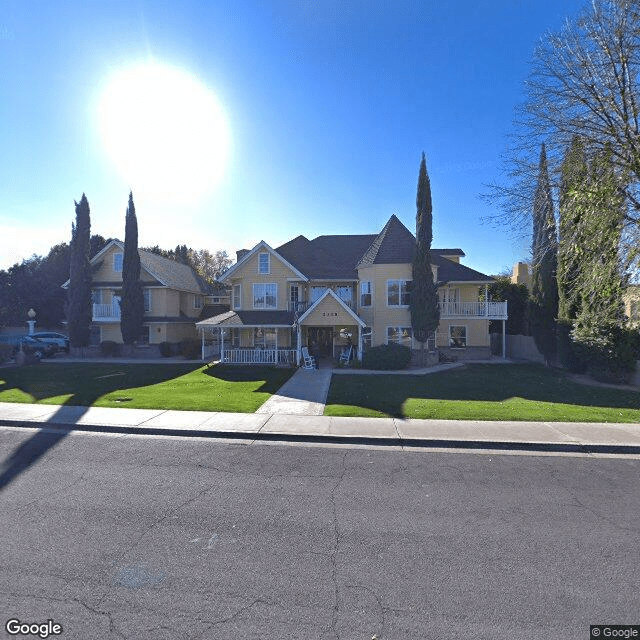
{"x":330,"y":313}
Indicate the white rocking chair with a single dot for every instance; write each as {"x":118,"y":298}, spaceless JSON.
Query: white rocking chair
{"x":345,"y":356}
{"x":308,"y":361}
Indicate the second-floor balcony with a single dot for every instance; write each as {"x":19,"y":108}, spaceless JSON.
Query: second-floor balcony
{"x":106,"y":312}
{"x":478,"y":309}
{"x":299,"y":307}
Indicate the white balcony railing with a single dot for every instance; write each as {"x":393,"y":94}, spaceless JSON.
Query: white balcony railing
{"x":479,"y":309}
{"x":259,"y":356}
{"x":106,"y":311}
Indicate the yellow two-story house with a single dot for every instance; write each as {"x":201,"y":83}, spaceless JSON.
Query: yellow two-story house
{"x":342,"y":292}
{"x":175,"y":296}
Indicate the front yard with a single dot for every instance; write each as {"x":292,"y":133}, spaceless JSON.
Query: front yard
{"x":482,"y":392}
{"x":143,"y":386}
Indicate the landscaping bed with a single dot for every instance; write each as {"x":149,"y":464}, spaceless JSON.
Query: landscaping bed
{"x":522,"y":392}
{"x":144,"y":386}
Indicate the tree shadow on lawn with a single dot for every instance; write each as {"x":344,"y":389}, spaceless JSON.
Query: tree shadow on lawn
{"x":272,"y":378}
{"x":85,"y":384}
{"x":475,"y":382}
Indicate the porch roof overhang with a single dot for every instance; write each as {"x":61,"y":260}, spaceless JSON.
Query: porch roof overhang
{"x":249,"y":319}
{"x":330,"y":294}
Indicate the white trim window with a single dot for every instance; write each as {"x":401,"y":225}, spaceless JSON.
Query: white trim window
{"x":146,"y":295}
{"x":265,"y":295}
{"x":118,"y":257}
{"x":264,"y":265}
{"x":316,"y":293}
{"x":294,"y":294}
{"x":365,"y":293}
{"x":197,"y":301}
{"x":237,"y":296}
{"x":399,"y":335}
{"x":264,"y":338}
{"x":457,"y":336}
{"x":398,"y":293}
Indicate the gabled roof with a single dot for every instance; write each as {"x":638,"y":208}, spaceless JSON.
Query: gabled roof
{"x":330,"y":293}
{"x":170,"y":273}
{"x":247,"y":256}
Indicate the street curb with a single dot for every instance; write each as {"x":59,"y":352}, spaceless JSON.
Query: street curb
{"x":412,"y":443}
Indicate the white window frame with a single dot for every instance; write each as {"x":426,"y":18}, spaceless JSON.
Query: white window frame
{"x":146,"y":295}
{"x":263,"y":344}
{"x":260,"y":271}
{"x":297,"y":296}
{"x":402,"y":284}
{"x":197,"y":298}
{"x":466,"y":335}
{"x":118,"y":263}
{"x":366,"y":293}
{"x":236,"y":302}
{"x":264,"y":285}
{"x":399,"y":329}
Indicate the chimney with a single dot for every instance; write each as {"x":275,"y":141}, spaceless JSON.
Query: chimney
{"x":241,"y":253}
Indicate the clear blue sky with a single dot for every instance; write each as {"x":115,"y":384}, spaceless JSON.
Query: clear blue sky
{"x":329,"y":105}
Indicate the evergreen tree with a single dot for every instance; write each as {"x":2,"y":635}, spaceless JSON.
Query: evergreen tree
{"x":132,"y":303}
{"x":544,"y":288}
{"x":572,"y":254}
{"x":598,"y":327}
{"x":79,"y":308}
{"x":425,"y":312}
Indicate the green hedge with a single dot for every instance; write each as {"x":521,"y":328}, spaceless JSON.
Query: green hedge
{"x":387,"y":357}
{"x":109,"y":348}
{"x":190,"y":348}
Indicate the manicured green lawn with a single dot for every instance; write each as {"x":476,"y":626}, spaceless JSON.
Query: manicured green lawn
{"x":481,"y":392}
{"x":143,"y":386}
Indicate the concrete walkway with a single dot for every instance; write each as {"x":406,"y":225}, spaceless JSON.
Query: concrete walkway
{"x":247,"y":428}
{"x":305,"y":393}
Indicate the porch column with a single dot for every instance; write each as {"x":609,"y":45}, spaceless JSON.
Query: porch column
{"x":202,"y":351}
{"x":359,"y":342}
{"x":486,"y":300}
{"x":504,"y":339}
{"x":221,"y":344}
{"x":299,"y":347}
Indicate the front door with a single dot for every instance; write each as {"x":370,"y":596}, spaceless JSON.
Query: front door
{"x":323,"y":338}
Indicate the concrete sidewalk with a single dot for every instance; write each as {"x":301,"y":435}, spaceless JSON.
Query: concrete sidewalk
{"x":304,"y":393}
{"x":248,"y":428}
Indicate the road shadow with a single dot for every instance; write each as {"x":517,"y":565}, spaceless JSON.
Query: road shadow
{"x":84,"y":384}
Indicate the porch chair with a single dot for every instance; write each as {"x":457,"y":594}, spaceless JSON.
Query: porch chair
{"x":308,"y":361}
{"x":345,"y":356}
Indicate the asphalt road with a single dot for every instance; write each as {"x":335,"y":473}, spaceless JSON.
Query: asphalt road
{"x":166,"y":538}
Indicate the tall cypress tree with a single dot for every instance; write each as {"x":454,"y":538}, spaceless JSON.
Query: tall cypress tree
{"x":79,"y":309}
{"x":132,"y":303}
{"x":425,"y":312}
{"x":544,"y":287}
{"x":572,"y":256}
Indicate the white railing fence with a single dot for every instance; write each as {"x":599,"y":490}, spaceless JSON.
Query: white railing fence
{"x":478,"y":309}
{"x":106,"y":311}
{"x":259,"y":356}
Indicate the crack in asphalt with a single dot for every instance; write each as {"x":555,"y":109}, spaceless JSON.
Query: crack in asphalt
{"x":213,"y":623}
{"x":383,"y":610}
{"x":107,"y":614}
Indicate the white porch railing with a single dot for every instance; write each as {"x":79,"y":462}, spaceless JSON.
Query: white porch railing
{"x":106,"y":311}
{"x":479,"y":309}
{"x":259,"y":356}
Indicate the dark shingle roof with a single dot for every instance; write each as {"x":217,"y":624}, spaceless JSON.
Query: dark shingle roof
{"x":212,"y":310}
{"x":173,"y":274}
{"x":251,"y":318}
{"x":337,"y":257}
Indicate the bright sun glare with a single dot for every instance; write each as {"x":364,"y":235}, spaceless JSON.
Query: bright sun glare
{"x":165,"y":131}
